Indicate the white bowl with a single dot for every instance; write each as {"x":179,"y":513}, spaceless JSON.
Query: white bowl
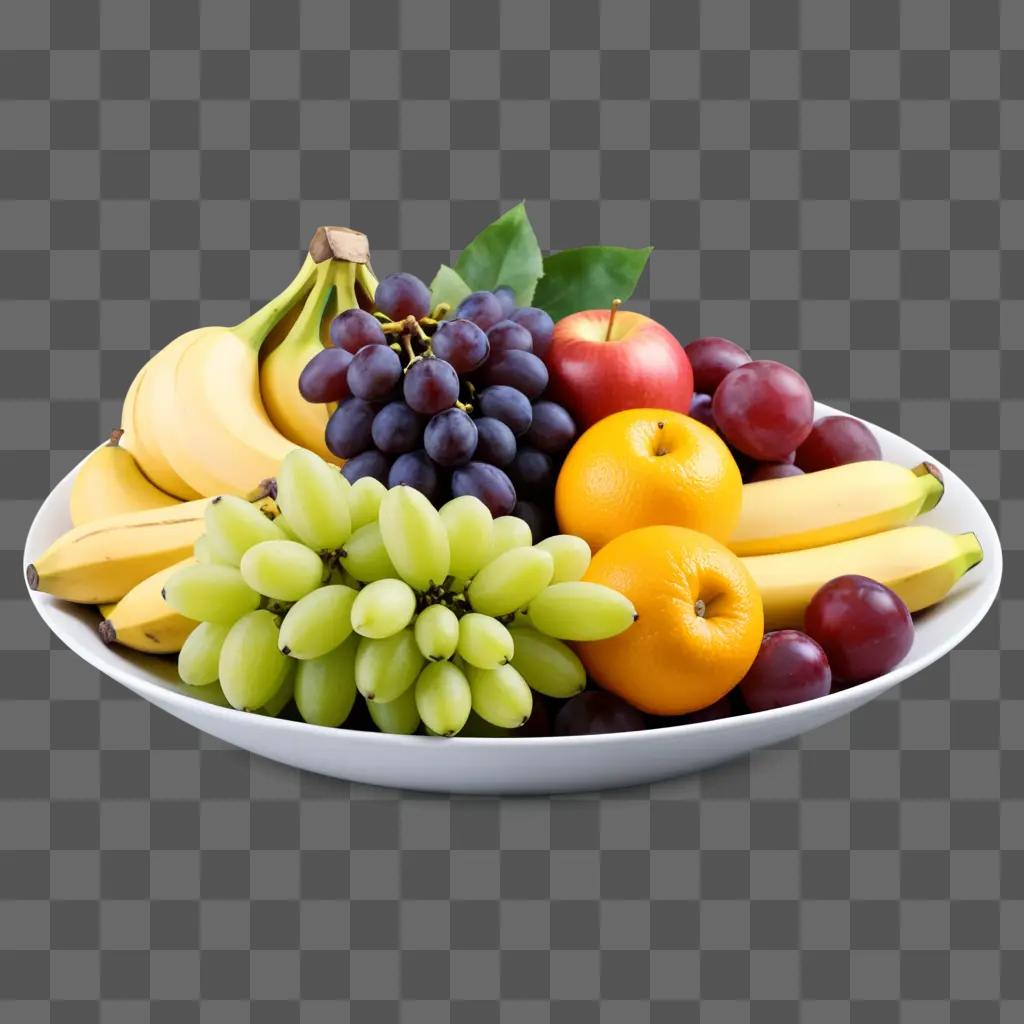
{"x":535,"y":765}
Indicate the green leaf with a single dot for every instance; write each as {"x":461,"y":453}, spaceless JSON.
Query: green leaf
{"x":589,"y":278}
{"x":505,"y":252}
{"x":447,"y":287}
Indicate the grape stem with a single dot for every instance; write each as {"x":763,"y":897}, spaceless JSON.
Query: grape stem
{"x":441,"y":310}
{"x":466,"y":407}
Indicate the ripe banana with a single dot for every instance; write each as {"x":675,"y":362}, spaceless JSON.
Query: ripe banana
{"x":99,"y":562}
{"x":142,"y":620}
{"x":855,"y":500}
{"x":110,"y":482}
{"x":920,"y":563}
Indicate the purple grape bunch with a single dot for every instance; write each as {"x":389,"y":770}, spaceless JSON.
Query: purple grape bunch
{"x":450,"y":407}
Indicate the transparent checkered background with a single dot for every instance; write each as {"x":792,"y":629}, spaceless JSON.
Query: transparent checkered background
{"x":838,"y":183}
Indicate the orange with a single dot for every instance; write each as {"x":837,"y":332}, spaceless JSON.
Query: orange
{"x":647,"y":467}
{"x":699,"y":627}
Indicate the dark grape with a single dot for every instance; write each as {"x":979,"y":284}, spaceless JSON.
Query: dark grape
{"x":495,"y":444}
{"x":552,"y":430}
{"x":722,"y":708}
{"x":349,"y":429}
{"x":533,"y":472}
{"x":835,"y":441}
{"x":700,"y":410}
{"x":711,"y":359}
{"x":488,"y":483}
{"x":402,"y":295}
{"x":773,"y":471}
{"x":482,"y":308}
{"x":540,"y":326}
{"x":431,"y":385}
{"x":597,"y":711}
{"x":789,"y":668}
{"x":505,"y":335}
{"x":539,"y":722}
{"x":415,"y":469}
{"x":450,"y":438}
{"x":369,"y":463}
{"x":323,"y":377}
{"x":507,"y":298}
{"x":355,"y":328}
{"x":520,"y":370}
{"x":540,"y":518}
{"x":461,"y":343}
{"x":397,"y":429}
{"x":507,"y":404}
{"x":373,"y":372}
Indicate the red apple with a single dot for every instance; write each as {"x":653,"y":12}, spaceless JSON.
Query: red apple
{"x":603,"y":361}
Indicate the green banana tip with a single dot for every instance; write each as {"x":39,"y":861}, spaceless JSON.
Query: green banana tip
{"x":972,"y":549}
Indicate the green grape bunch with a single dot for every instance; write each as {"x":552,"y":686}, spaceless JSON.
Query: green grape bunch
{"x":357,"y":591}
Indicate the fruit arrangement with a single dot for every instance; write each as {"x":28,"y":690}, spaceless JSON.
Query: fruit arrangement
{"x":497,"y":505}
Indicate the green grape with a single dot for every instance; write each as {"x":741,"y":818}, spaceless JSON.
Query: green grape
{"x":282,"y":524}
{"x":325,"y":687}
{"x":250,"y":664}
{"x":284,"y":692}
{"x":470,"y":529}
{"x":233,"y":525}
{"x":364,"y":500}
{"x":581,"y":611}
{"x":443,"y":697}
{"x":382,"y":608}
{"x":203,"y":552}
{"x":364,"y":556}
{"x":570,"y":554}
{"x":437,"y":632}
{"x":210,"y":593}
{"x":500,"y":696}
{"x":314,"y":497}
{"x":283,"y":570}
{"x":548,"y":665}
{"x":509,"y":532}
{"x":199,"y":655}
{"x":483,"y":641}
{"x":511,"y":581}
{"x":386,"y":668}
{"x":318,"y":622}
{"x":478,"y":728}
{"x":399,"y":716}
{"x":415,"y":537}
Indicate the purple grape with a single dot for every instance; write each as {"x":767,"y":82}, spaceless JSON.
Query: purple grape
{"x":397,"y":429}
{"x":507,"y":298}
{"x":323,"y":377}
{"x":496,"y":444}
{"x":348,"y":430}
{"x":507,"y":404}
{"x":370,"y":463}
{"x":431,"y":386}
{"x":552,"y":430}
{"x":506,"y":335}
{"x":414,"y":469}
{"x":482,"y":308}
{"x":540,"y":518}
{"x":402,"y":295}
{"x":461,"y":343}
{"x":540,"y":326}
{"x":533,"y":472}
{"x":450,"y":438}
{"x":488,"y":483}
{"x":373,"y":372}
{"x":597,"y":711}
{"x":520,"y":370}
{"x":355,"y":328}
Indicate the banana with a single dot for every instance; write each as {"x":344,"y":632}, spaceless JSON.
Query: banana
{"x":339,"y":280}
{"x":110,"y":482}
{"x":99,"y":562}
{"x":832,"y":505}
{"x":920,"y":563}
{"x":142,"y":620}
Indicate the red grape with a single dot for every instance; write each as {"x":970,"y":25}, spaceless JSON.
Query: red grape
{"x":430,"y":386}
{"x":495,"y":443}
{"x":539,"y":324}
{"x":507,"y":298}
{"x":488,"y":483}
{"x":700,"y":410}
{"x":552,"y":430}
{"x":764,"y":409}
{"x":349,"y":429}
{"x":323,"y":377}
{"x":371,"y":463}
{"x":722,"y":708}
{"x":539,"y":722}
{"x":507,"y":404}
{"x":397,"y":429}
{"x":773,"y":471}
{"x":461,"y":343}
{"x":711,"y":359}
{"x":533,"y":472}
{"x":834,"y":441}
{"x":415,"y":469}
{"x":450,"y":438}
{"x":373,"y":372}
{"x":864,"y":628}
{"x":520,"y":370}
{"x":355,"y":328}
{"x":597,"y":711}
{"x":505,"y":335}
{"x":402,"y":295}
{"x":789,"y":668}
{"x":483,"y":308}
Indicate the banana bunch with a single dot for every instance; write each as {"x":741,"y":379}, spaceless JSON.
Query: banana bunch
{"x":203,"y":417}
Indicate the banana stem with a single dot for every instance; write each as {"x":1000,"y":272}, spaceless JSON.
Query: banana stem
{"x":255,"y":328}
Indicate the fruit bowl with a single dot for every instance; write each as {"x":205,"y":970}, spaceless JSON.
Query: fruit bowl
{"x":530,"y":765}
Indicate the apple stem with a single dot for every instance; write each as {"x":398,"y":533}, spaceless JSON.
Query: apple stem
{"x":611,"y":318}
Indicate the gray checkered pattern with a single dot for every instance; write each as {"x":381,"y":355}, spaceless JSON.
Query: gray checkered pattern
{"x":838,"y":183}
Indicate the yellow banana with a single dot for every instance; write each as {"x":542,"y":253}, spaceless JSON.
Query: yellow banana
{"x":142,"y":620}
{"x":110,"y":482}
{"x":856,"y":500}
{"x":106,"y":609}
{"x":920,"y":563}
